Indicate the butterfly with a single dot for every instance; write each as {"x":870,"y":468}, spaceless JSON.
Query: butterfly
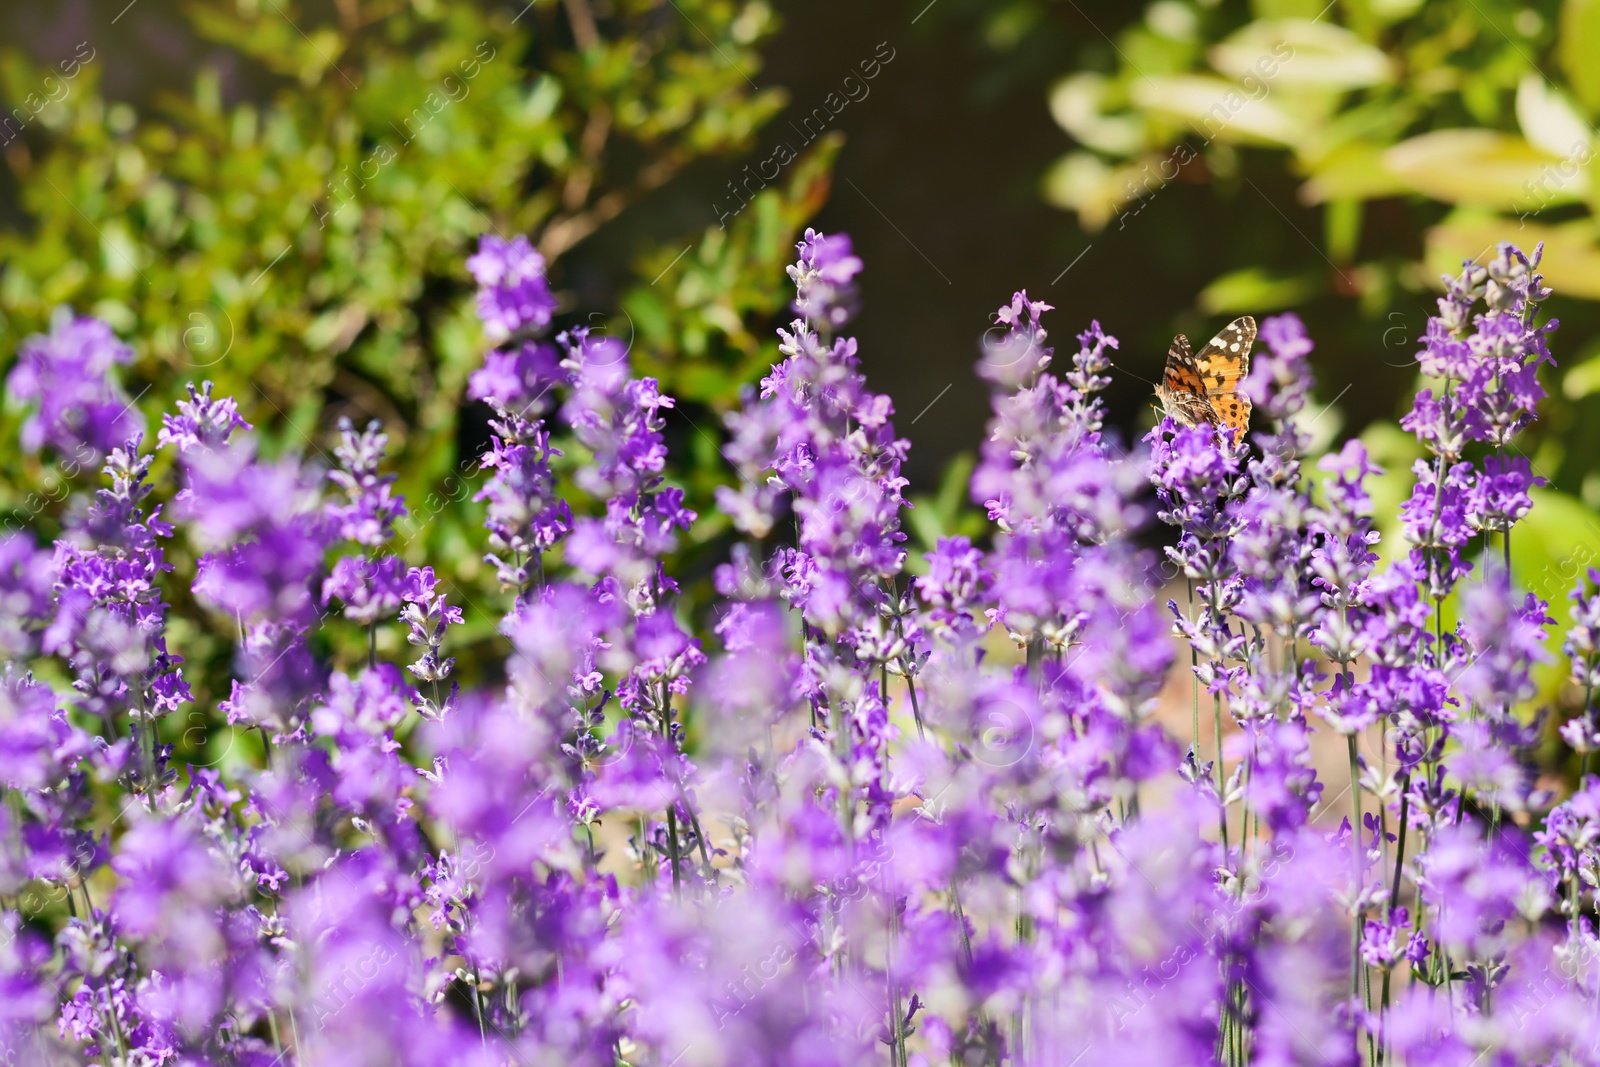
{"x":1204,"y":388}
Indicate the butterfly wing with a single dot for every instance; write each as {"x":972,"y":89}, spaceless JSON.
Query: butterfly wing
{"x":1183,"y":389}
{"x":1221,"y":365}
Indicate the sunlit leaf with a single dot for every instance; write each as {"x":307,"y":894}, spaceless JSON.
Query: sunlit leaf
{"x":1483,"y":167}
{"x":1097,"y":191}
{"x":1217,"y":109}
{"x":1579,"y":44}
{"x":1302,"y":54}
{"x":1356,"y":171}
{"x":1255,"y":290}
{"x":1548,"y":119}
{"x":1582,"y":380}
{"x":1078,"y":104}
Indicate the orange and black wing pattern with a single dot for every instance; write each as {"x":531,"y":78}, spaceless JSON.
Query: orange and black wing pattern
{"x":1223,"y":364}
{"x":1204,"y":388}
{"x":1182,"y":391}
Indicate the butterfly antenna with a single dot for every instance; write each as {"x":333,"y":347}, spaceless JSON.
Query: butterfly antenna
{"x":1125,"y":370}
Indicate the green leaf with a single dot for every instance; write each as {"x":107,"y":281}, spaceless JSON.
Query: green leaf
{"x":1482,"y":167}
{"x":1551,"y":549}
{"x":1548,"y":119}
{"x":1582,"y":380}
{"x":1079,"y":106}
{"x":1302,"y":54}
{"x":952,"y":498}
{"x":1281,"y":9}
{"x":1084,"y":183}
{"x":1578,"y":45}
{"x":1553,"y":546}
{"x":1343,"y":227}
{"x":1255,"y":289}
{"x":1218,"y":109}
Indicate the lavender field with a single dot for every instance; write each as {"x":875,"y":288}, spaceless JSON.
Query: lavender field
{"x":867,"y":817}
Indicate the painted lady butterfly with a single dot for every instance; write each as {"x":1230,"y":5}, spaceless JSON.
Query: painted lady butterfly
{"x":1204,"y":388}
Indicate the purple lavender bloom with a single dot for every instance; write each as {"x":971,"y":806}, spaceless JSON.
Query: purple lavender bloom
{"x":370,"y":509}
{"x":1342,"y":558}
{"x":1436,"y":523}
{"x":25,"y":585}
{"x":172,"y":884}
{"x":258,"y":521}
{"x":262,"y":529}
{"x":1011,"y":359}
{"x":1386,"y":942}
{"x":1582,"y":649}
{"x":754,"y":685}
{"x":1283,"y":784}
{"x":81,"y":409}
{"x":525,"y":518}
{"x":26,"y":995}
{"x":522,"y":379}
{"x":513,"y":287}
{"x":428,"y":617}
{"x":371,"y":589}
{"x":817,"y":433}
{"x":1499,"y":496}
{"x":1280,"y":379}
{"x":110,"y":618}
{"x":1473,"y":888}
{"x":824,"y":279}
{"x":957,"y":582}
{"x":34,"y":734}
{"x":202,"y":421}
{"x":1507,"y":638}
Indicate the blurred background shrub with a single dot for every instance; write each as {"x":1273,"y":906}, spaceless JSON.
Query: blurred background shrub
{"x":293,"y":222}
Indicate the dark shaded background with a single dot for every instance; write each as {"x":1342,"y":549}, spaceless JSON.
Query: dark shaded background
{"x":939,"y":185}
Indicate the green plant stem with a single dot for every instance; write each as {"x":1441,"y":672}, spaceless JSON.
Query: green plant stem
{"x":673,"y":853}
{"x":1356,"y":865}
{"x":897,"y":1035}
{"x":477,"y":1007}
{"x":907,"y":663}
{"x":672,"y":847}
{"x":961,"y":920}
{"x":916,"y":709}
{"x":694,"y":824}
{"x":1222,"y":783}
{"x":1400,"y":839}
{"x":1588,"y":714}
{"x":111,"y":1007}
{"x":1194,"y":681}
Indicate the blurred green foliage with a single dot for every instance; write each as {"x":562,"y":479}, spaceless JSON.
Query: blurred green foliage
{"x":298,"y":234}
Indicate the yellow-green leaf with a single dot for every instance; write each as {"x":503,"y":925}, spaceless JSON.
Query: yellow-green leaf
{"x":1354,"y":172}
{"x":1082,"y":182}
{"x":1582,"y":380}
{"x":1549,"y":120}
{"x":1078,"y":104}
{"x":1483,"y":167}
{"x":1578,"y":46}
{"x":1218,"y":109}
{"x":1301,"y":54}
{"x":1256,"y":290}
